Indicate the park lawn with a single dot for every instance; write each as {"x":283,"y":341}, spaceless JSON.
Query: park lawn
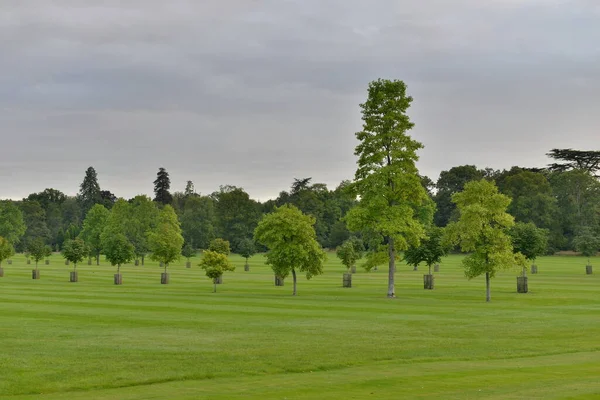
{"x":143,"y":340}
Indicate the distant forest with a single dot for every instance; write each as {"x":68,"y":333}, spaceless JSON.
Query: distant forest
{"x":563,"y":197}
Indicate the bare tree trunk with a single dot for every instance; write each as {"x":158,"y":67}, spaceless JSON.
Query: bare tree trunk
{"x":165,"y":268}
{"x":294,"y":275}
{"x":392,"y":269}
{"x":488,"y":296}
{"x":98,"y":258}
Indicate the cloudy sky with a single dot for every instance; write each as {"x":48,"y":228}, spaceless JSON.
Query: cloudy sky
{"x":255,"y":93}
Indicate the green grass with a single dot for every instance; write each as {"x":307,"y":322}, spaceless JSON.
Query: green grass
{"x":252,"y":340}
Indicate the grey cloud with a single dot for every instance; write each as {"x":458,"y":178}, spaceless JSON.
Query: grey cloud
{"x":255,"y":93}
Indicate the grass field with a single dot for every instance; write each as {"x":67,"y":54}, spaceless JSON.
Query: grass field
{"x":252,"y":340}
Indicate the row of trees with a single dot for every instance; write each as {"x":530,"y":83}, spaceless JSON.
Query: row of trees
{"x":388,"y":205}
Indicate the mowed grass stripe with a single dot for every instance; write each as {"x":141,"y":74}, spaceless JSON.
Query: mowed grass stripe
{"x":63,"y":337}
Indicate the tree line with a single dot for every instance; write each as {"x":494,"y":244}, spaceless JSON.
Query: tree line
{"x":389,"y":206}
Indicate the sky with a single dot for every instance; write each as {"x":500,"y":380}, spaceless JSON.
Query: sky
{"x":255,"y":93}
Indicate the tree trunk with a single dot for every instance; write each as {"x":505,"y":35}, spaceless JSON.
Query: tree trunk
{"x":392,"y":253}
{"x":98,"y":258}
{"x":488,"y":296}
{"x":215,"y":286}
{"x":165,"y":268}
{"x":294,"y":276}
{"x":118,"y":268}
{"x":143,"y":261}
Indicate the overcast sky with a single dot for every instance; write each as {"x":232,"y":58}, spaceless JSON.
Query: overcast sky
{"x":256,"y":93}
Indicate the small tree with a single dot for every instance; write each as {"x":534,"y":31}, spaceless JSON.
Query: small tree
{"x":165,"y":241}
{"x":220,"y":246}
{"x":481,"y":230}
{"x":215,"y":264}
{"x":586,"y":242}
{"x":74,"y":251}
{"x":430,"y":251}
{"x":118,"y":250}
{"x":291,"y":239}
{"x":47,"y":252}
{"x":188,"y":251}
{"x":247,"y":249}
{"x":37,"y":249}
{"x":6,"y":250}
{"x":528,"y":240}
{"x":350,"y":252}
{"x":93,"y":225}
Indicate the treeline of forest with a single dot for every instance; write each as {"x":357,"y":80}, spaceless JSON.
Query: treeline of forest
{"x":563,"y":198}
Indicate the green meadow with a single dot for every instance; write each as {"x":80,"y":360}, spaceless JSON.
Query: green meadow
{"x":253,"y":340}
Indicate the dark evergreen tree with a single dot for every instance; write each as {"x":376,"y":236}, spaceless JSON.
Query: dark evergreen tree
{"x":89,"y":192}
{"x":162,"y":184}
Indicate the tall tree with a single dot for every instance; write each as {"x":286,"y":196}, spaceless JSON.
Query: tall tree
{"x":89,"y":190}
{"x":290,"y":237}
{"x":12,"y":224}
{"x":450,"y":182}
{"x":569,"y":159}
{"x":162,"y":184}
{"x":93,"y":225}
{"x":189,"y":189}
{"x":393,"y":203}
{"x":481,"y":231}
{"x":165,"y":241}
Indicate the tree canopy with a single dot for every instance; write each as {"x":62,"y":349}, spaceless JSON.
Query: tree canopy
{"x":162,"y":184}
{"x":118,"y":250}
{"x":569,"y":159}
{"x":93,"y":226}
{"x":74,"y":251}
{"x":481,"y":230}
{"x":6,"y":249}
{"x":12,"y":224}
{"x":215,"y":264}
{"x":165,"y":241}
{"x":291,"y":239}
{"x":430,"y":250}
{"x":350,"y":252}
{"x":393,"y":204}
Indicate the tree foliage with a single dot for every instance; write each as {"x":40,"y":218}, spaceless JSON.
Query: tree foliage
{"x":586,"y":160}
{"x":198,"y":221}
{"x":393,"y":203}
{"x":529,"y":240}
{"x":188,"y":251}
{"x":165,"y":241}
{"x":430,"y":250}
{"x":220,"y":245}
{"x":12,"y":224}
{"x":118,"y":249}
{"x":291,"y":239}
{"x":587,"y":242}
{"x":246,"y":248}
{"x":37,"y":249}
{"x":162,"y":184}
{"x":93,"y":226}
{"x":481,"y":231}
{"x":74,"y":250}
{"x":215,"y":264}
{"x":6,"y":249}
{"x":451,"y":182}
{"x":89,"y":190}
{"x":350,"y":252}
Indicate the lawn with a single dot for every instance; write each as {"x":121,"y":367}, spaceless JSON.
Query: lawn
{"x":143,"y":340}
